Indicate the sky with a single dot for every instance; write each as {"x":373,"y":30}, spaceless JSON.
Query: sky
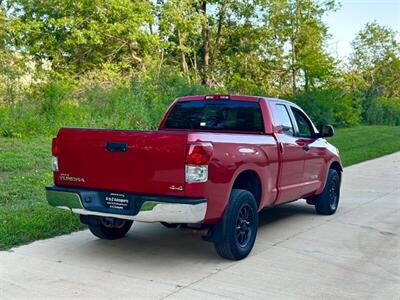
{"x":351,"y":17}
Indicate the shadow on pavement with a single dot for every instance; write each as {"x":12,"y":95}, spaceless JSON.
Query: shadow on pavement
{"x":282,"y":212}
{"x":155,"y":244}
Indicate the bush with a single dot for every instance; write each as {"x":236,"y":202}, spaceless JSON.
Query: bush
{"x":109,"y":99}
{"x":384,"y":111}
{"x":41,"y":111}
{"x":330,"y":106}
{"x":52,"y":96}
{"x":105,"y":99}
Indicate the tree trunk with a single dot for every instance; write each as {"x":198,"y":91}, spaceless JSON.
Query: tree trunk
{"x":195,"y":64}
{"x":294,"y":87}
{"x":221,"y":18}
{"x":206,"y":41}
{"x":306,"y":81}
{"x":183,"y":56}
{"x":293,"y":67}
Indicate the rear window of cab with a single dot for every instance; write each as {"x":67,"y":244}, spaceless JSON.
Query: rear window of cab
{"x":224,"y":115}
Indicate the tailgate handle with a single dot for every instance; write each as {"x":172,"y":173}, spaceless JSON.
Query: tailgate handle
{"x":117,"y":147}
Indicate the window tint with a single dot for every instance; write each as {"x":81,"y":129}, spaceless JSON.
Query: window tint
{"x":282,"y":119}
{"x":305,"y":128}
{"x":216,"y":115}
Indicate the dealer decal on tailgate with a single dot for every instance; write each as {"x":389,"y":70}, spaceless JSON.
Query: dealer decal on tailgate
{"x":117,"y":201}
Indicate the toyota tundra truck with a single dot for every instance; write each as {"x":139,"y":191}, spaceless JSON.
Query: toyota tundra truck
{"x":213,"y":164}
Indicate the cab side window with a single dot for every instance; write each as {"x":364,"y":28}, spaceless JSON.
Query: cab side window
{"x":304,"y":126}
{"x":282,"y":119}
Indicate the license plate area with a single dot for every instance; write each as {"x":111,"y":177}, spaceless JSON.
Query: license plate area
{"x":117,"y":201}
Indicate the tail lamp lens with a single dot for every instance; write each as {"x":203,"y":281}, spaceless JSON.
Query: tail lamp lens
{"x":199,"y":153}
{"x":54,"y":151}
{"x":54,"y":163}
{"x":197,"y":158}
{"x":54,"y":147}
{"x":196,"y":173}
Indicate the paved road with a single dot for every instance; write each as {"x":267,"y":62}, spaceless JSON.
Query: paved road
{"x":354,"y":254}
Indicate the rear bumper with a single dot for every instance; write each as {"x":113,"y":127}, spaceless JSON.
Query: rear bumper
{"x":143,"y":208}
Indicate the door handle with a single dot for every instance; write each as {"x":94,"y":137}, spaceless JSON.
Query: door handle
{"x":281,"y":147}
{"x":116,"y":147}
{"x":306,"y":147}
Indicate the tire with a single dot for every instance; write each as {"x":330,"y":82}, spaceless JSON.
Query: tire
{"x":327,"y":202}
{"x":236,"y":233}
{"x":110,"y":228}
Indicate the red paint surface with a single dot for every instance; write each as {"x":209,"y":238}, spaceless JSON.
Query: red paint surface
{"x":155,"y":161}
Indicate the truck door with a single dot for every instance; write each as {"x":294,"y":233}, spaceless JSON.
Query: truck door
{"x":292,"y":154}
{"x":314,"y":150}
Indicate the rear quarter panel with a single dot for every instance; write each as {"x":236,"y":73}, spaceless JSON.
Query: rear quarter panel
{"x":233,"y":154}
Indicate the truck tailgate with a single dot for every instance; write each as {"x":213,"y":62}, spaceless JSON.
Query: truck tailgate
{"x":143,"y":162}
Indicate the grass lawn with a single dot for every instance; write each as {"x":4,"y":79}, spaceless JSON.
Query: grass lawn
{"x":361,"y":143}
{"x":25,"y":215}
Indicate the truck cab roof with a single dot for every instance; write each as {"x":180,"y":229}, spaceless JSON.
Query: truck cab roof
{"x":219,"y":97}
{"x":229,"y":97}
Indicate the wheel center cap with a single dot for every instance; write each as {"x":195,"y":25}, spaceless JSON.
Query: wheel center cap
{"x":244,"y":224}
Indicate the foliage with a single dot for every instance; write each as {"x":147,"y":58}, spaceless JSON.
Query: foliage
{"x":106,"y":100}
{"x":373,"y":45}
{"x":298,"y":27}
{"x":330,"y":106}
{"x":384,"y":111}
{"x":119,"y":64}
{"x":375,"y":67}
{"x":79,"y":35}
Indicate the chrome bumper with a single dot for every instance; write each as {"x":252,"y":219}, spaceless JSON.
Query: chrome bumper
{"x":150,"y":211}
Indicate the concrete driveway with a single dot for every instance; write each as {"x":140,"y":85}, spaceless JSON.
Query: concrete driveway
{"x":298,"y":254}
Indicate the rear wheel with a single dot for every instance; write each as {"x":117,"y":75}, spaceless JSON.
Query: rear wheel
{"x":236,"y":233}
{"x":327,"y":202}
{"x":110,"y":228}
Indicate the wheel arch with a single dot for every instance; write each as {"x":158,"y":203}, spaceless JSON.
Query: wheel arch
{"x":336,"y":165}
{"x":249,"y":180}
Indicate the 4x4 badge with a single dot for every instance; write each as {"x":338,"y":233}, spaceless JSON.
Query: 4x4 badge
{"x":176,"y":188}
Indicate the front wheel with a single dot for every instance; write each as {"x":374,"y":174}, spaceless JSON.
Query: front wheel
{"x":237,"y":231}
{"x":327,"y":202}
{"x":110,"y":228}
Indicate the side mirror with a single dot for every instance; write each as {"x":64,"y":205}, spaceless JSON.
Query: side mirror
{"x":326,"y":131}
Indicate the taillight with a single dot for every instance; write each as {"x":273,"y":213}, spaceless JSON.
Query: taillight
{"x":199,"y":153}
{"x":194,"y":173}
{"x":54,"y":164}
{"x":197,"y":158}
{"x":54,"y":147}
{"x":54,"y":152}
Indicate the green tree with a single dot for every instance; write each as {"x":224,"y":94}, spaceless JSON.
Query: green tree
{"x":298,"y":28}
{"x":373,"y":74}
{"x":80,"y":35}
{"x":180,"y":24}
{"x":375,"y":62}
{"x":374,"y":44}
{"x":235,"y":43}
{"x":200,"y":34}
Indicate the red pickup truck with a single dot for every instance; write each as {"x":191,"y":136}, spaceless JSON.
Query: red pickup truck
{"x":212,"y":165}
